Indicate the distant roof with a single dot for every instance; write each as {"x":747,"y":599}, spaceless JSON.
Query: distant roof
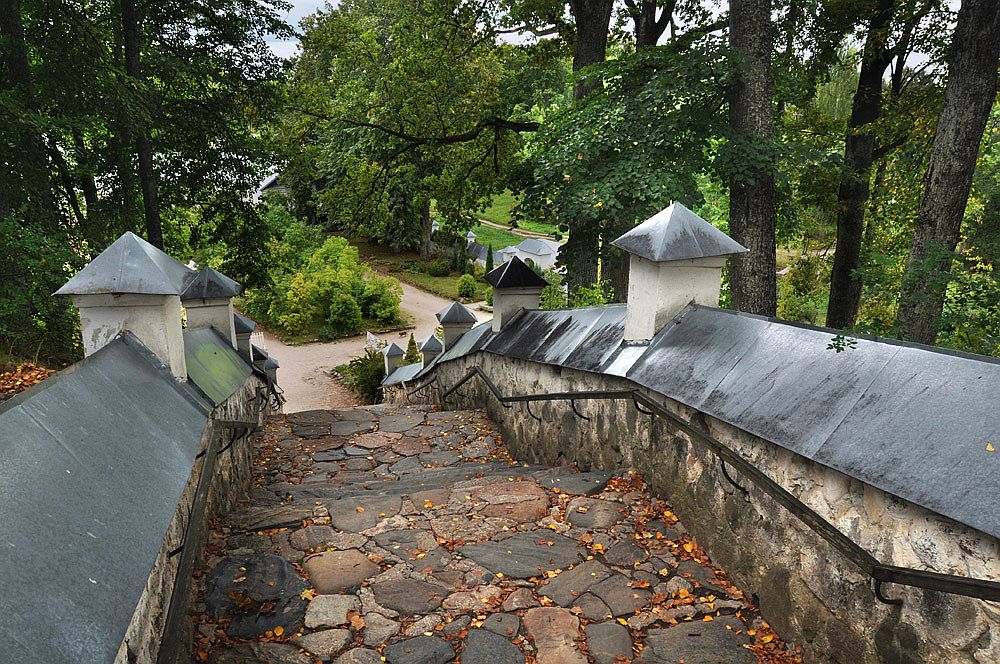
{"x":515,"y":274}
{"x":908,"y":419}
{"x":130,"y":265}
{"x":392,"y":350}
{"x":243,"y":324}
{"x":538,"y":247}
{"x":432,"y":343}
{"x":210,"y":284}
{"x":677,"y":233}
{"x":85,"y":501}
{"x":456,"y":313}
{"x":213,"y":365}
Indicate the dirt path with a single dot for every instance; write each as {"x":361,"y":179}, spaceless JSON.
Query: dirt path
{"x":305,"y":370}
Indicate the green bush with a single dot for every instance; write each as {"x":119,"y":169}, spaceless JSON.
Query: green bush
{"x":380,"y":298}
{"x":412,"y":355}
{"x":439,"y":267}
{"x":344,"y":316}
{"x":364,"y":375}
{"x":467,"y":287}
{"x":595,"y":295}
{"x":489,"y":295}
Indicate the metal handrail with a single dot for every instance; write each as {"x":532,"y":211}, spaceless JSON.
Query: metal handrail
{"x":877,"y":571}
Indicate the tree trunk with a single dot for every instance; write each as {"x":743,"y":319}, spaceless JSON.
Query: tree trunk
{"x":649,"y":28}
{"x":143,"y":145}
{"x":968,"y":99}
{"x":88,"y":184}
{"x":855,"y":178}
{"x":592,"y":18}
{"x":426,"y":245}
{"x":33,"y":164}
{"x":751,"y":198}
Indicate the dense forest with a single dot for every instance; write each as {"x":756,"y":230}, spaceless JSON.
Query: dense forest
{"x":852,"y":145}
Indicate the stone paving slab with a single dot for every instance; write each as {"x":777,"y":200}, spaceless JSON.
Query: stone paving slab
{"x":406,"y":535}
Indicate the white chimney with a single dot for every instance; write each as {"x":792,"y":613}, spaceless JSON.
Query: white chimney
{"x":208,"y":300}
{"x":455,"y":320}
{"x":132,"y":286}
{"x":676,"y":258}
{"x":430,"y":348}
{"x":393,"y":356}
{"x":515,"y":286}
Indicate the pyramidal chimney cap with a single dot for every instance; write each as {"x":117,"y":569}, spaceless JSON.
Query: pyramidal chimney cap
{"x":677,"y":233}
{"x":455,"y":313}
{"x":210,"y":284}
{"x":130,"y":265}
{"x":515,"y":274}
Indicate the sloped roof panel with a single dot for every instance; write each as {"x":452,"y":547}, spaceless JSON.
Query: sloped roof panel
{"x":130,"y":265}
{"x":515,"y":274}
{"x":213,"y":365}
{"x":677,"y":233}
{"x":403,"y":374}
{"x":92,"y":465}
{"x":456,"y":313}
{"x":210,"y":284}
{"x":243,"y":324}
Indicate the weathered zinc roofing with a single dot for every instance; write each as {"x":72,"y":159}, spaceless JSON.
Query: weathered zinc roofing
{"x":92,"y":464}
{"x":432,"y":343}
{"x":392,"y":350}
{"x":213,"y":365}
{"x":403,"y":374}
{"x":130,"y":265}
{"x":243,"y":324}
{"x":677,"y":233}
{"x":455,"y":313}
{"x":911,"y":420}
{"x":908,"y":419}
{"x":209,"y":284}
{"x":537,"y":247}
{"x":515,"y":274}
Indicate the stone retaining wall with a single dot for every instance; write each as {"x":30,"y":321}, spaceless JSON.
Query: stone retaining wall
{"x":809,"y":592}
{"x":230,"y":484}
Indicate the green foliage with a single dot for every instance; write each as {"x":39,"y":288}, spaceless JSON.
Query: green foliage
{"x":33,"y":264}
{"x":466,"y":287}
{"x":595,"y":295}
{"x":378,"y":83}
{"x":489,"y":296}
{"x":553,"y":296}
{"x":489,"y":257}
{"x":803,"y":292}
{"x":319,"y":285}
{"x":380,"y":298}
{"x":412,"y":354}
{"x":439,"y":267}
{"x":343,"y":317}
{"x":365,"y":374}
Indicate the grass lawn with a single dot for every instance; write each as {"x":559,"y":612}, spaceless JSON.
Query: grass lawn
{"x":499,"y":213}
{"x":495,"y":237}
{"x":405,"y":266}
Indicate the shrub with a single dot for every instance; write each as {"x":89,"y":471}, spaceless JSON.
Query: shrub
{"x":364,"y":375}
{"x":412,"y":355}
{"x":489,"y":295}
{"x":344,"y":315}
{"x":489,"y":257}
{"x":467,"y":287}
{"x":439,"y":267}
{"x":595,"y":295}
{"x":380,"y":298}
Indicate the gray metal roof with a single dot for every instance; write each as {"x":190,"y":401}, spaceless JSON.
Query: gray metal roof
{"x":432,"y":343}
{"x":243,"y":324}
{"x":911,"y":420}
{"x":92,"y":464}
{"x":456,"y":313}
{"x":209,"y":284}
{"x":130,"y":265}
{"x":403,"y":374}
{"x":393,"y":350}
{"x":515,"y":274}
{"x":677,"y":233}
{"x":538,"y":247}
{"x":213,"y":365}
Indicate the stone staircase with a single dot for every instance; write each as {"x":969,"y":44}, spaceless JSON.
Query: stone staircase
{"x":400,"y":534}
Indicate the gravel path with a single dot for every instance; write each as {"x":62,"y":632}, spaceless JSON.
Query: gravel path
{"x":305,"y":369}
{"x":402,"y":535}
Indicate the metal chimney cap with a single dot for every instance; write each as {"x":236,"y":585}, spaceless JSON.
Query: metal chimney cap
{"x":130,"y":265}
{"x":677,"y":233}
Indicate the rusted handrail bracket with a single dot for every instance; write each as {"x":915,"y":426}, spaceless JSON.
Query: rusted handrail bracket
{"x":866,"y":562}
